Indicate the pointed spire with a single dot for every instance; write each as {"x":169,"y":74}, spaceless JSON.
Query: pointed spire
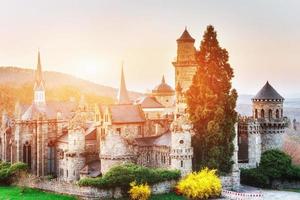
{"x":123,"y":97}
{"x":38,"y":73}
{"x":163,"y":79}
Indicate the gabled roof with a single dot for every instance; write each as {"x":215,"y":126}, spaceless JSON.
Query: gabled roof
{"x":161,"y":140}
{"x":149,"y":102}
{"x":268,"y":93}
{"x":123,"y":114}
{"x":185,"y":37}
{"x":50,"y":110}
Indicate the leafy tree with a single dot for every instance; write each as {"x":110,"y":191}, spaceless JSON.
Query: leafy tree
{"x":211,"y":103}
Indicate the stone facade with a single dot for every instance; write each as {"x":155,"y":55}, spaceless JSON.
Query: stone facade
{"x":264,"y":129}
{"x":58,"y":186}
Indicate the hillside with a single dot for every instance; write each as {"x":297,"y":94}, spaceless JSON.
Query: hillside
{"x":15,"y":76}
{"x":16,"y":85}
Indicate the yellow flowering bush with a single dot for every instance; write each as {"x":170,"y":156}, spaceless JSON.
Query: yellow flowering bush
{"x":139,"y":192}
{"x":200,"y":185}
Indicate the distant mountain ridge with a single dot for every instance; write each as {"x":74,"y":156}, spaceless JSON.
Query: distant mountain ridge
{"x":17,"y":76}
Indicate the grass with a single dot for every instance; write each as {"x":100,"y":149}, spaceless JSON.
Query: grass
{"x":292,"y":190}
{"x":170,"y":196}
{"x":16,"y":193}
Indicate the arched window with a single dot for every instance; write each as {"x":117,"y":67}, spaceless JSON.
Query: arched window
{"x":270,"y":114}
{"x":27,"y":154}
{"x":262,"y":113}
{"x":255,"y":114}
{"x":277,"y":113}
{"x":51,"y":158}
{"x":181,"y":163}
{"x":281,"y":112}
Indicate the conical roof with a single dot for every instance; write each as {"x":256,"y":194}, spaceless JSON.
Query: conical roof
{"x":268,"y":93}
{"x":123,"y":97}
{"x":185,"y":37}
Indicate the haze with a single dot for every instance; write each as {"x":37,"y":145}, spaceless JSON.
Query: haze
{"x":90,"y":39}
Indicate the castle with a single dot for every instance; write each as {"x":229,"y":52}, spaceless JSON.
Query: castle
{"x":264,"y":129}
{"x":69,"y":140}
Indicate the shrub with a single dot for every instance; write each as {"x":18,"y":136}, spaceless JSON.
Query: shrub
{"x":8,"y":171}
{"x":274,"y":163}
{"x":123,"y":175}
{"x":200,"y":185}
{"x":254,"y":177}
{"x":139,"y":192}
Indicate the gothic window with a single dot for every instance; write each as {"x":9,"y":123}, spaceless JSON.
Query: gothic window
{"x":148,"y":157}
{"x":119,"y":130}
{"x":97,"y":117}
{"x":181,"y":163}
{"x":277,"y":113}
{"x":67,"y":173}
{"x":255,"y":113}
{"x":61,"y":172}
{"x":140,"y":132}
{"x":27,"y":154}
{"x":281,"y":113}
{"x":51,"y":158}
{"x":262,"y":113}
{"x":270,"y":114}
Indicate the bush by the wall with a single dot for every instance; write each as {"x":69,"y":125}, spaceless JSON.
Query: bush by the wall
{"x":123,"y":175}
{"x":254,"y":177}
{"x":8,"y":171}
{"x":139,"y":192}
{"x":200,"y":185}
{"x":274,"y":165}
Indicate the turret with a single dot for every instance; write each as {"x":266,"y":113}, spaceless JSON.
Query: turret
{"x":268,"y":112}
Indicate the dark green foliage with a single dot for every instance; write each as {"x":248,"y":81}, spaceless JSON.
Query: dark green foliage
{"x":274,"y":165}
{"x":8,"y":171}
{"x":211,"y":106}
{"x":123,"y":175}
{"x":254,"y":177}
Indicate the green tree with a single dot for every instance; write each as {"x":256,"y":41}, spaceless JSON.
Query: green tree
{"x":211,"y":103}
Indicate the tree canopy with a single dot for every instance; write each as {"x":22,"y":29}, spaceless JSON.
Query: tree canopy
{"x":211,"y":103}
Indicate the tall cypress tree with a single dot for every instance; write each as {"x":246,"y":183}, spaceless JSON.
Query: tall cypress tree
{"x":211,"y":105}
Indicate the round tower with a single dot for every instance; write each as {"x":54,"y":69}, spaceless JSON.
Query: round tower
{"x":268,"y":111}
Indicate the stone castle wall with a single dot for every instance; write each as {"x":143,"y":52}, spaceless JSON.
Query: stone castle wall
{"x":63,"y":187}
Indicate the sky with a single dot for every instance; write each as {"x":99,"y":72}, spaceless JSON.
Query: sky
{"x":91,"y":38}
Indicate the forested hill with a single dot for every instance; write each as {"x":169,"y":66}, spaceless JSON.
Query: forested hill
{"x":16,"y":85}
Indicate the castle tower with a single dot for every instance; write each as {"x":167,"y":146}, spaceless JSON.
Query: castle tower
{"x":185,"y":63}
{"x":123,"y":97}
{"x":268,"y":112}
{"x":39,"y":85}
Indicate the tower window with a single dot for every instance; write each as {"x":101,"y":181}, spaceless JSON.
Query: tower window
{"x":255,"y":113}
{"x":181,"y":163}
{"x":270,"y":114}
{"x":277,"y":113}
{"x":262,"y":113}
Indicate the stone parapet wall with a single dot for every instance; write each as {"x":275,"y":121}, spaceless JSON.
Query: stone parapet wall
{"x":70,"y":188}
{"x":231,"y":181}
{"x":285,"y":184}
